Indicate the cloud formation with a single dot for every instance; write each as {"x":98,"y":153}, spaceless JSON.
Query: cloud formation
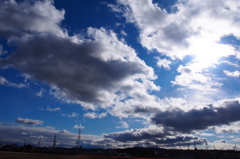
{"x":188,"y":28}
{"x":163,"y":63}
{"x":87,"y":71}
{"x":94,"y":115}
{"x":154,"y":135}
{"x":78,"y":126}
{"x":198,"y":119}
{"x":29,"y":121}
{"x":198,"y":24}
{"x":40,"y":93}
{"x":73,"y":115}
{"x":5,"y":82}
{"x":40,"y":16}
{"x":97,"y":69}
{"x":53,"y":109}
{"x":232,"y":74}
{"x":124,"y":125}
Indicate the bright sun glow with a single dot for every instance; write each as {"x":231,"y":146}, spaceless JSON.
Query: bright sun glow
{"x":207,"y":54}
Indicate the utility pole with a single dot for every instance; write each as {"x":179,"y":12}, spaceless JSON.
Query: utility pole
{"x":195,"y":147}
{"x":116,"y":144}
{"x":39,"y":142}
{"x":54,"y":141}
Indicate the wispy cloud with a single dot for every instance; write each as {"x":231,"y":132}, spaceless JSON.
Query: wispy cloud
{"x":53,"y":109}
{"x":73,"y":115}
{"x":206,"y":134}
{"x":5,"y":82}
{"x":232,"y":74}
{"x":2,"y":51}
{"x":40,"y":93}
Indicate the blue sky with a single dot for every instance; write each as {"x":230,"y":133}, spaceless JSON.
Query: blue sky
{"x":151,"y":73}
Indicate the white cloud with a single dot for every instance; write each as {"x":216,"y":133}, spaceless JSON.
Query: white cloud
{"x":5,"y":82}
{"x":40,"y":16}
{"x":78,"y":126}
{"x":53,"y":109}
{"x":73,"y":115}
{"x":227,"y":129}
{"x":199,"y":118}
{"x":94,"y":115}
{"x":64,"y":131}
{"x":154,"y":135}
{"x":199,"y":25}
{"x":124,"y":125}
{"x":194,"y":29}
{"x":97,"y":71}
{"x":236,"y":140}
{"x":29,"y":121}
{"x":123,"y":33}
{"x":191,"y":77}
{"x":163,"y":63}
{"x":2,"y":51}
{"x":26,"y":77}
{"x":90,"y":115}
{"x":40,"y":93}
{"x":102,"y":115}
{"x":231,"y":63}
{"x":206,"y":134}
{"x":104,"y":67}
{"x":232,"y":74}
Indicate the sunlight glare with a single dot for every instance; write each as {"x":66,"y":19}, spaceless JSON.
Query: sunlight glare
{"x":208,"y":54}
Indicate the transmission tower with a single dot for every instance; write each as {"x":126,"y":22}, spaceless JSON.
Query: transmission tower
{"x":79,"y":138}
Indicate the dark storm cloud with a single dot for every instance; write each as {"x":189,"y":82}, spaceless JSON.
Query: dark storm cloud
{"x":198,"y":119}
{"x":74,"y":68}
{"x":83,"y":71}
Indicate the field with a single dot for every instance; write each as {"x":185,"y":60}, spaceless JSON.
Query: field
{"x":22,"y":155}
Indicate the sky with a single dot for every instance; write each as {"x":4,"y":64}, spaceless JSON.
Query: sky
{"x":148,"y":73}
